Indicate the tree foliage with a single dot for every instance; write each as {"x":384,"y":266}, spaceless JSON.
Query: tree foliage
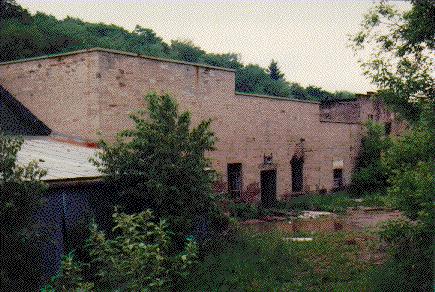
{"x":20,"y":195}
{"x":137,"y":258}
{"x":400,"y":64}
{"x":409,"y":163}
{"x":370,"y":176}
{"x":396,"y":51}
{"x":274,"y":71}
{"x":161,"y":164}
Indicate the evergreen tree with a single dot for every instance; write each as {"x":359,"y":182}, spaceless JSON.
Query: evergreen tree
{"x":274,"y":71}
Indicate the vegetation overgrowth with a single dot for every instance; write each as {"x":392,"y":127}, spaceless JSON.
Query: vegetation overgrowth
{"x":21,"y":191}
{"x":161,"y":164}
{"x":137,"y":258}
{"x":400,"y":64}
{"x":251,"y":261}
{"x":145,"y":163}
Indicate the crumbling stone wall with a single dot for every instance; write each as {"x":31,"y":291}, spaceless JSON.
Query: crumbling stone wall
{"x":81,"y":93}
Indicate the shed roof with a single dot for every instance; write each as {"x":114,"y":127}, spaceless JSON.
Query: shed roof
{"x":63,"y":161}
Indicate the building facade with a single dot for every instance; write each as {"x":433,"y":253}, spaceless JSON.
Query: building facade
{"x":268,"y":148}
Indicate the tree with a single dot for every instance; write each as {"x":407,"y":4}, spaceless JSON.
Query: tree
{"x":228,"y":60}
{"x":10,"y":9}
{"x":160,"y":164}
{"x":185,"y":50}
{"x":274,"y":71}
{"x":251,"y":79}
{"x":400,"y":61}
{"x":297,"y":91}
{"x":400,"y":65}
{"x":137,"y":258}
{"x":20,"y":195}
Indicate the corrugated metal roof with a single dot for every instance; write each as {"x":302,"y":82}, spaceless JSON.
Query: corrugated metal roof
{"x":63,"y":161}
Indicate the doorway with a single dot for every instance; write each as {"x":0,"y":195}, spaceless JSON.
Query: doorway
{"x":234,"y":172}
{"x":268,"y":188}
{"x":338,"y":178}
{"x":297,"y":165}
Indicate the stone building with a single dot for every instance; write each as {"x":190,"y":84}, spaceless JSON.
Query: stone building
{"x":268,"y":148}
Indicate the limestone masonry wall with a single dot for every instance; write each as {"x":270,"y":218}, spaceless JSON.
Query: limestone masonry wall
{"x":82,"y":93}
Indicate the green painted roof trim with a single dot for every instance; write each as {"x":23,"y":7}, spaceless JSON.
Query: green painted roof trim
{"x":277,"y":97}
{"x":114,"y":52}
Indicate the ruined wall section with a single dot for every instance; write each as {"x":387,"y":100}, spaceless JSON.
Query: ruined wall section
{"x":343,"y":112}
{"x":82,"y":93}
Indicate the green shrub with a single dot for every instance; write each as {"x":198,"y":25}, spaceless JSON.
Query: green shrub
{"x":375,"y":200}
{"x":410,"y":267}
{"x":69,"y":277}
{"x":21,"y":191}
{"x":410,"y":165}
{"x":160,"y":164}
{"x":243,"y":211}
{"x":136,"y":259}
{"x":370,"y":176}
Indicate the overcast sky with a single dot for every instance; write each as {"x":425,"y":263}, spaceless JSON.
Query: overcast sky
{"x":307,"y":38}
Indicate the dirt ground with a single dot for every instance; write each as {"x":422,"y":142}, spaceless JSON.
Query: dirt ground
{"x":370,"y":218}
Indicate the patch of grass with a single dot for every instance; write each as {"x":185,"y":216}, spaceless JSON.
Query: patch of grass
{"x":247,"y":261}
{"x":374,"y":200}
{"x":337,"y":203}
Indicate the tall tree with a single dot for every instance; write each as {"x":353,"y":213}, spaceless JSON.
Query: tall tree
{"x":274,"y":71}
{"x":396,"y":51}
{"x":400,"y":63}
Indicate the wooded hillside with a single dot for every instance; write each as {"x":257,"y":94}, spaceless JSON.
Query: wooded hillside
{"x":23,"y":35}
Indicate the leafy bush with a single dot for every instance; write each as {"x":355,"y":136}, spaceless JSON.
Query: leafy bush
{"x":409,"y":163}
{"x":160,"y":164}
{"x":410,"y":267}
{"x":370,"y":175}
{"x":375,"y":200}
{"x":136,"y":259}
{"x":21,"y":192}
{"x":243,"y":211}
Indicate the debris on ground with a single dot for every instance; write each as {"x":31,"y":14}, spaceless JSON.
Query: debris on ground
{"x":299,"y":239}
{"x":314,"y":214}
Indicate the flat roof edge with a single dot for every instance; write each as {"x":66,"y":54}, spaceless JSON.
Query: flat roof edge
{"x":276,"y":97}
{"x":114,"y":52}
{"x":340,"y":122}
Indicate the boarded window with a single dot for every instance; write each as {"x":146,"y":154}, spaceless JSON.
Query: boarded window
{"x":235,"y":180}
{"x":338,"y":178}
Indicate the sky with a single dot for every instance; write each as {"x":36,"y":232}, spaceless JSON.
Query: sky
{"x":308,"y":39}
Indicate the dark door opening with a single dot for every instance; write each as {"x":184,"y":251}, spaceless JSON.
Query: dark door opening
{"x":234,"y":171}
{"x":388,"y":128}
{"x":268,"y":188}
{"x":338,"y":178}
{"x":297,"y":165}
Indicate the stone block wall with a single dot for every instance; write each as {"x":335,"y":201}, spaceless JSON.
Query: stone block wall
{"x":82,"y":93}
